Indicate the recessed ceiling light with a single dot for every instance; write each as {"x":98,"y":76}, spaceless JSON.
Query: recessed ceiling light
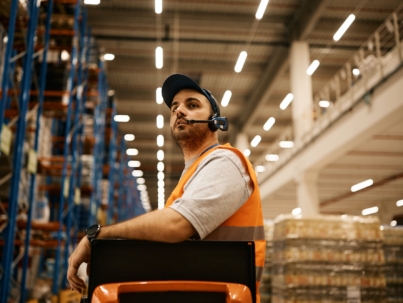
{"x":121,"y":118}
{"x":362,"y":185}
{"x":137,"y":173}
{"x":286,"y":101}
{"x":272,"y":157}
{"x":129,"y":137}
{"x":370,"y":211}
{"x":296,"y":211}
{"x":346,"y":24}
{"x":286,"y":144}
{"x":132,"y":152}
{"x":255,"y":141}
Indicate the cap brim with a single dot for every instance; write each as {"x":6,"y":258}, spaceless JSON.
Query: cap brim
{"x":174,"y":84}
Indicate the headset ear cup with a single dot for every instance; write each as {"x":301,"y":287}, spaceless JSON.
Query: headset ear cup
{"x":212,"y":126}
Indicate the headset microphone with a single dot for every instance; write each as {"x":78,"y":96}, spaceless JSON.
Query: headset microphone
{"x":216,"y":122}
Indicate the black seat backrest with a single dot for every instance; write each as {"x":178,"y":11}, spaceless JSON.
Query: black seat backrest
{"x":115,"y":260}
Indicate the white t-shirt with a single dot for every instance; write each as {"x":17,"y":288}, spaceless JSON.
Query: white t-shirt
{"x":219,"y":187}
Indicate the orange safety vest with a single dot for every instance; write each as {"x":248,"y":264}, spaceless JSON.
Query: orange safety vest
{"x":246,"y":224}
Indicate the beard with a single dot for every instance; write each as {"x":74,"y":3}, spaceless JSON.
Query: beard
{"x":192,"y":138}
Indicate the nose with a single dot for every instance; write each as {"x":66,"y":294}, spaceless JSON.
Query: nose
{"x":181,"y":110}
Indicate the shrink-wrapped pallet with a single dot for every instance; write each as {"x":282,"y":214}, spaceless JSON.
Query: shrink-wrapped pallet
{"x":393,"y":251}
{"x":328,"y":258}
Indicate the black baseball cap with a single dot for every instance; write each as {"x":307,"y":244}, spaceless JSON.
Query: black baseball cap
{"x":176,"y":82}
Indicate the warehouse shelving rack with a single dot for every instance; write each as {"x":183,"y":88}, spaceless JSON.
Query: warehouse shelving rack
{"x":38,"y":99}
{"x":24,"y":97}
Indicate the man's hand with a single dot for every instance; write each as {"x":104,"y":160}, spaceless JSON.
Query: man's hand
{"x":80,"y":255}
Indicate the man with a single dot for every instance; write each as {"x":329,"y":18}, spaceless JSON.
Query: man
{"x":217,"y":197}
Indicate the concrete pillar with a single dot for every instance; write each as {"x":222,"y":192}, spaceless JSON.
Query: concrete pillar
{"x":307,"y":193}
{"x":301,"y":88}
{"x":241,"y":141}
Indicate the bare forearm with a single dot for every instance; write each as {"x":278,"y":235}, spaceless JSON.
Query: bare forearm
{"x":164,"y":225}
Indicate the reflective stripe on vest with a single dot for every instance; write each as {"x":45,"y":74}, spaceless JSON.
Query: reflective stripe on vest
{"x":236,"y":233}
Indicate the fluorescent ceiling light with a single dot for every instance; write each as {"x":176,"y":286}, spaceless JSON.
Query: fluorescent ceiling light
{"x":246,"y":152}
{"x":159,"y":57}
{"x":287,"y":100}
{"x":312,"y":68}
{"x":241,"y":61}
{"x":160,"y":175}
{"x":132,"y":152}
{"x":260,"y":168}
{"x":137,"y":173}
{"x":226,"y":98}
{"x":272,"y":157}
{"x":324,"y":103}
{"x":160,"y":166}
{"x":141,"y":180}
{"x":161,"y":183}
{"x":129,"y":137}
{"x":296,"y":211}
{"x":340,"y":32}
{"x":121,"y":118}
{"x":286,"y":144}
{"x":356,"y":72}
{"x":161,"y":190}
{"x":65,"y":55}
{"x":399,"y":203}
{"x":362,"y":185}
{"x":158,"y":96}
{"x":256,"y":141}
{"x":269,"y":123}
{"x":158,"y":6}
{"x":161,"y":196}
{"x":109,"y":57}
{"x":161,"y":204}
{"x":134,"y":163}
{"x":160,"y":121}
{"x":141,"y":187}
{"x":160,"y":155}
{"x":370,"y":211}
{"x":261,"y":9}
{"x":144,"y":194}
{"x":92,"y":2}
{"x":160,"y":140}
{"x":393,"y":223}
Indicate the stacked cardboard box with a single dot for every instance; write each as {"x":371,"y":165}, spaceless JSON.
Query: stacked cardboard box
{"x":328,"y":258}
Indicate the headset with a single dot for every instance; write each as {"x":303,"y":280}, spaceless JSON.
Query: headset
{"x":215,"y":122}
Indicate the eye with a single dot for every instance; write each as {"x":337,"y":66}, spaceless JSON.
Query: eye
{"x":193,"y":105}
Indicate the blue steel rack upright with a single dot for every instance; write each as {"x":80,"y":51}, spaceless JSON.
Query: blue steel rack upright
{"x":7,"y":61}
{"x":99,"y":129}
{"x":112,"y":160}
{"x":24,"y":95}
{"x":31,"y":195}
{"x":70,"y":88}
{"x":75,"y":151}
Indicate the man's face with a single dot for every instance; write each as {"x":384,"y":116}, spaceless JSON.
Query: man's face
{"x":186,"y":105}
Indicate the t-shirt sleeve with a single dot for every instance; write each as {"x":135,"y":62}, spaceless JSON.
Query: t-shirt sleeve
{"x":217,"y":189}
